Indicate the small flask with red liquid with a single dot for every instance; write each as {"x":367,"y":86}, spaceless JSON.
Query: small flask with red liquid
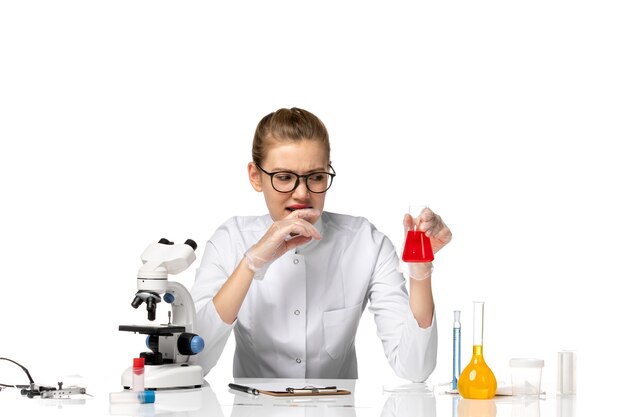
{"x":417,"y":246}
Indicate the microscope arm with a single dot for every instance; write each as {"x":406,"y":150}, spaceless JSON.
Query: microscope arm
{"x":183,"y":307}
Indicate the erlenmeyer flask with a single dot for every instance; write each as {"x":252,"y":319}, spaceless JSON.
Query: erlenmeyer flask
{"x":417,"y":246}
{"x":477,"y":381}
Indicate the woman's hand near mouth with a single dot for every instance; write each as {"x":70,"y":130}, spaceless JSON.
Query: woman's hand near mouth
{"x":294,"y":230}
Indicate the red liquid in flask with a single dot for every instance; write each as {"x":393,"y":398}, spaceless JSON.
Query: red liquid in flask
{"x":417,"y":247}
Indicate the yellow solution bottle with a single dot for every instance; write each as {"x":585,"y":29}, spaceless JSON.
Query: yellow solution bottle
{"x":477,"y":381}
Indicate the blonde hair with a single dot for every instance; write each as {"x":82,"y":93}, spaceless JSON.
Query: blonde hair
{"x":288,"y":125}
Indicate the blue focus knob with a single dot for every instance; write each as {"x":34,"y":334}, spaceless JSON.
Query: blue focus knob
{"x":169,"y":298}
{"x":197,"y":344}
{"x":190,"y":344}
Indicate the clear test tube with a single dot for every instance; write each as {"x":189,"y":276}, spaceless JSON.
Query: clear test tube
{"x":456,"y":349}
{"x":138,"y":374}
{"x":132,"y":397}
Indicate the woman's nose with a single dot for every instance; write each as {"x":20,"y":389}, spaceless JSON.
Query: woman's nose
{"x":301,"y":191}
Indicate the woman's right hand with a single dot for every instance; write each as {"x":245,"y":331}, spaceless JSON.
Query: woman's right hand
{"x":294,"y":230}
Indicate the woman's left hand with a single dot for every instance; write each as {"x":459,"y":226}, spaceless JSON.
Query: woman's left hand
{"x":430,"y":223}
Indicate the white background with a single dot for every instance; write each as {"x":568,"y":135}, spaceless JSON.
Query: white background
{"x":122,"y":122}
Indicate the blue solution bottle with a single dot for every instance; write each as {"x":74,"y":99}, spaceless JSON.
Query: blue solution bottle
{"x":456,"y":350}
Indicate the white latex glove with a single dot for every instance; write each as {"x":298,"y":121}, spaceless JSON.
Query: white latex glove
{"x":283,"y":235}
{"x":439,"y":234}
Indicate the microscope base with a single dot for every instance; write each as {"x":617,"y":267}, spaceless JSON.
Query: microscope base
{"x":169,"y":376}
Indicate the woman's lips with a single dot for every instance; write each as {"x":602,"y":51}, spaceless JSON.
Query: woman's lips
{"x":298,"y":207}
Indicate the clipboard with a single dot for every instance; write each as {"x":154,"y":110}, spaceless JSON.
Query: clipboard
{"x":308,"y":391}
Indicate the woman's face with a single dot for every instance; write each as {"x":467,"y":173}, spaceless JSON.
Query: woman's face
{"x":303,"y":157}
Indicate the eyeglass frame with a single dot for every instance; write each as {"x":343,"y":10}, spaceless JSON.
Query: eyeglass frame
{"x":297,"y":183}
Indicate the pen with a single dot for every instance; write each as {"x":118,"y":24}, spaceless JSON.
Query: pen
{"x":243,"y":388}
{"x":312,"y":390}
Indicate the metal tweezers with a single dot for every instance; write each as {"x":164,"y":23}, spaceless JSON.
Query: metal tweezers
{"x":309,"y":389}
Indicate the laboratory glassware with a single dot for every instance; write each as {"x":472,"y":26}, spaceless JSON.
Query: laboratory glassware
{"x":417,"y":246}
{"x":456,"y":349}
{"x":477,"y":381}
{"x":526,"y":376}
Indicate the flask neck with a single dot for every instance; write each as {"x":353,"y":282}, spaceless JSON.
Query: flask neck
{"x":478,"y":350}
{"x":477,"y":356}
{"x":478,"y":323}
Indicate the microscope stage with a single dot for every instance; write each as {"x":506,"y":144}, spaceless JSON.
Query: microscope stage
{"x":162,"y":330}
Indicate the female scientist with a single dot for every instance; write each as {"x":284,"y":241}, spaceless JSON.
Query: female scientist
{"x":294,"y":283}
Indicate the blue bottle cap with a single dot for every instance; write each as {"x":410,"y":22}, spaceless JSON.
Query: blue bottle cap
{"x":147,"y":397}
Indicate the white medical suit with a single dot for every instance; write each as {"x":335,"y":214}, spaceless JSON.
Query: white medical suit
{"x":301,"y":318}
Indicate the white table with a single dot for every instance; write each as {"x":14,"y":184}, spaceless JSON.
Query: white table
{"x":368,"y":398}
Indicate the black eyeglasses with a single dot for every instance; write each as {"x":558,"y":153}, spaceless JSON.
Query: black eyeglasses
{"x":287,"y":181}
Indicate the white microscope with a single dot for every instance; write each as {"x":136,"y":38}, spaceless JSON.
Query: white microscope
{"x":167,"y":365}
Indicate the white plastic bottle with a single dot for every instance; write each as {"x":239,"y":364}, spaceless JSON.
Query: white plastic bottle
{"x":138,"y":374}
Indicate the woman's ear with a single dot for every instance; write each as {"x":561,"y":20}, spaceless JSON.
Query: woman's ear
{"x":254,"y":175}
